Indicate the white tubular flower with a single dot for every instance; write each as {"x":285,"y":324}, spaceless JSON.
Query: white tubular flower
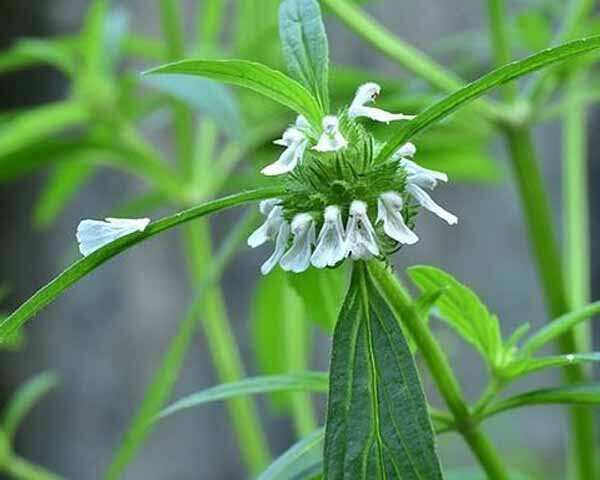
{"x":389,"y":210}
{"x":297,"y":258}
{"x":270,"y":228}
{"x":295,"y":141}
{"x":367,"y":93}
{"x":361,"y":240}
{"x":95,"y":234}
{"x":283,"y":235}
{"x":331,"y":245}
{"x":407,"y":150}
{"x":331,"y":139}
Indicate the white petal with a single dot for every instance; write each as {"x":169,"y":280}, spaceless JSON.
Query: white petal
{"x":407,"y":150}
{"x":378,"y":114}
{"x":426,"y":202}
{"x":268,"y":230}
{"x":297,"y":258}
{"x":265,"y":206}
{"x":288,"y":160}
{"x":366,"y":93}
{"x":361,"y":240}
{"x":389,"y":210}
{"x":302,"y":122}
{"x":413,"y":168}
{"x":283,"y":236}
{"x":331,"y":139}
{"x":95,"y":234}
{"x":331,"y":245}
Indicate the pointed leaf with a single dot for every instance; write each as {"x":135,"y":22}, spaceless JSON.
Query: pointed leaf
{"x":528,"y":366}
{"x":462,"y":309}
{"x":291,"y":382}
{"x":301,"y":461}
{"x":254,"y":76}
{"x":305,"y":47}
{"x":81,"y":268}
{"x":378,"y":426}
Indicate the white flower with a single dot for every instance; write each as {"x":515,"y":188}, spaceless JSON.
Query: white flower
{"x":389,"y":210}
{"x":95,"y":234}
{"x":406,"y":150}
{"x":270,"y":228}
{"x":367,"y":93}
{"x":331,"y":245}
{"x":361,"y":240}
{"x":331,"y":139}
{"x":295,"y":141}
{"x":283,"y":235}
{"x":297,"y":258}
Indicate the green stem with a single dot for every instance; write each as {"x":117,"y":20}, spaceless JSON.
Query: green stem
{"x":172,"y":28}
{"x":437,"y":362}
{"x":210,"y":17}
{"x":225,"y":352}
{"x":536,"y":208}
{"x":576,"y":208}
{"x":21,"y":469}
{"x":501,"y":41}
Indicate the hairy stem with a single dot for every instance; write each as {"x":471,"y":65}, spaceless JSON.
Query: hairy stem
{"x":536,"y":208}
{"x":437,"y":362}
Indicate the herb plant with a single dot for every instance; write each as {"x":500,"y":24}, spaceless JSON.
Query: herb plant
{"x":339,"y":200}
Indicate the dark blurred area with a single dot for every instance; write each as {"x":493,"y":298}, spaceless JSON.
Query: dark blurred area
{"x":107,"y":335}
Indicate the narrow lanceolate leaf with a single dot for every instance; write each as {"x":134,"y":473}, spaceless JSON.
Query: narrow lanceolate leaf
{"x":533,"y":365}
{"x":24,"y":399}
{"x":576,"y":395}
{"x":378,"y":426}
{"x":292,"y":382}
{"x":302,"y":461}
{"x":494,"y":79}
{"x":305,"y":47}
{"x":462,"y":309}
{"x":254,"y":76}
{"x":80,"y":269}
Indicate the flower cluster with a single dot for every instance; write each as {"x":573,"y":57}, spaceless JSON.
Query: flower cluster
{"x":360,"y":208}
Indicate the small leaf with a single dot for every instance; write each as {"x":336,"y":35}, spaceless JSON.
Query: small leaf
{"x":305,"y":47}
{"x":532,"y":365}
{"x":254,"y":76}
{"x":81,"y":268}
{"x":462,"y":309}
{"x":206,"y":96}
{"x":29,"y":52}
{"x":558,"y":327}
{"x":291,"y":382}
{"x":378,"y":426}
{"x":322,"y":291}
{"x":24,"y":399}
{"x":301,"y":461}
{"x":494,"y":79}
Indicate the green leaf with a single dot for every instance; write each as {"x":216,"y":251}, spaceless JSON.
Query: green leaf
{"x":378,"y":426}
{"x":64,"y":182}
{"x":460,"y":307}
{"x":291,"y":382}
{"x":29,"y":52}
{"x":464,"y":167}
{"x":471,"y":473}
{"x":24,"y":399}
{"x":574,"y":395}
{"x":305,"y":47}
{"x":301,"y":461}
{"x":277,"y":313}
{"x":558,"y":327}
{"x":494,"y":79}
{"x":254,"y":76}
{"x":532,"y":365}
{"x":322,"y":291}
{"x":81,"y":268}
{"x":206,"y":96}
{"x":38,"y":123}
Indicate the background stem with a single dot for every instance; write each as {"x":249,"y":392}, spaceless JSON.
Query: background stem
{"x":437,"y":362}
{"x":536,"y":208}
{"x":224,"y":351}
{"x":500,"y":40}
